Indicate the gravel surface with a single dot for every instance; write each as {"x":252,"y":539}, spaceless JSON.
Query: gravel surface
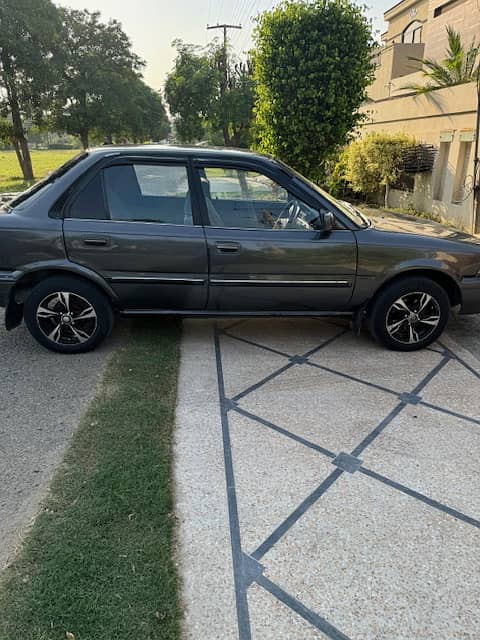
{"x":42,"y":397}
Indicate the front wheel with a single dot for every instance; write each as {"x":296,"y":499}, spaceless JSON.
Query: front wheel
{"x":409,"y":314}
{"x":68,"y":315}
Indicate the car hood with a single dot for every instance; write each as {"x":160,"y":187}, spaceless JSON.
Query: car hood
{"x":401,"y":223}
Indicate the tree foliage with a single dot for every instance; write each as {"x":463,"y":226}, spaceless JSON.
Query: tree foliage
{"x":102,"y":89}
{"x":191,"y":90}
{"x":459,"y":66}
{"x":313,"y":63}
{"x":375,"y":161}
{"x":29,"y":46}
{"x":202,"y":104}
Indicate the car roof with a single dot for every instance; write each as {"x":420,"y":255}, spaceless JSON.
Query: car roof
{"x":178,"y":150}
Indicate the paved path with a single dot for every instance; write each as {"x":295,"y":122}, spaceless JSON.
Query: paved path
{"x":326,"y":488}
{"x":42,"y":397}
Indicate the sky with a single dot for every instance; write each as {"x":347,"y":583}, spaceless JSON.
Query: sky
{"x":152,"y":25}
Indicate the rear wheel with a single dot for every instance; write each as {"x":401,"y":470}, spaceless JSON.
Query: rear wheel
{"x":68,"y":315}
{"x":410,"y":314}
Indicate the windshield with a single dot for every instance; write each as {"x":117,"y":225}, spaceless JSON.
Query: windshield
{"x":346,"y":208}
{"x":43,"y":184}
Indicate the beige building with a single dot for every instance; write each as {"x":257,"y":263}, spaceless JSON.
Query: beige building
{"x":445,"y":118}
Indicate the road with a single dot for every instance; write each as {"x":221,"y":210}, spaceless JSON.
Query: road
{"x":43,"y":395}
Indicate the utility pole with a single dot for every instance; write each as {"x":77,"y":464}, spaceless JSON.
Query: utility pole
{"x":476,"y":164}
{"x":225,"y":50}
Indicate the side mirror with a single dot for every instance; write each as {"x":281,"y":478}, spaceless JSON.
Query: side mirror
{"x":328,"y":222}
{"x":321,"y":220}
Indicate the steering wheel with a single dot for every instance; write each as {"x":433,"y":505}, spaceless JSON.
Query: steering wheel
{"x":293,"y":209}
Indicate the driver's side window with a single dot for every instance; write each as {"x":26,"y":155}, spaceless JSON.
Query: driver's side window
{"x":242,"y":199}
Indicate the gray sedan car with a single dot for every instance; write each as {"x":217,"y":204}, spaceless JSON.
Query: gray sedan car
{"x":210,"y":232}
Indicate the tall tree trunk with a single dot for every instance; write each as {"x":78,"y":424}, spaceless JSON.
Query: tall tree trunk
{"x":226,"y":135}
{"x":387,"y":192}
{"x":21,"y":148}
{"x":84,"y":138}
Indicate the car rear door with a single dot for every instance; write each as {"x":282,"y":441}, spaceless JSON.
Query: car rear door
{"x":136,"y":223}
{"x":259,"y":259}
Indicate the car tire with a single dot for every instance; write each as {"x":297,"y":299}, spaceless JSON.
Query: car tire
{"x":68,"y":315}
{"x":409,"y":314}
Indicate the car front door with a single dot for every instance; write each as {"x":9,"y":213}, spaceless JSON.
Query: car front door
{"x":135,"y":223}
{"x":264,"y":254}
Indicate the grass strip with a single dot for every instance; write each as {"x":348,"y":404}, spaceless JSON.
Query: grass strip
{"x":98,"y":563}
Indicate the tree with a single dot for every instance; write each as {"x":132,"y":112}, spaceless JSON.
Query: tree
{"x":313,"y":63}
{"x":235,"y":106}
{"x":202,"y":103}
{"x":459,"y":66}
{"x":375,"y":160}
{"x":99,"y":68}
{"x":28,"y":54}
{"x":144,"y":116}
{"x":191,"y":90}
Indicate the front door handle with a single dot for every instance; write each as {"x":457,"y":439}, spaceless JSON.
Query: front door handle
{"x":96,"y":242}
{"x":228,"y":247}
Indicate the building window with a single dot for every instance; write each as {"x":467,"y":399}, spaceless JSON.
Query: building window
{"x":438,"y":11}
{"x":413,"y":33}
{"x":461,"y":174}
{"x":440,"y":174}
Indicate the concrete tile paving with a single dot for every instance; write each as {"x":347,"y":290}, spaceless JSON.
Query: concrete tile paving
{"x":326,"y":488}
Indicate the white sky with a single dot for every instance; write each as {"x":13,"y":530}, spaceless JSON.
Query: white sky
{"x":152,"y":25}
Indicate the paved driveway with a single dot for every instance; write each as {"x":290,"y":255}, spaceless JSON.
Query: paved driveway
{"x":42,"y":397}
{"x":326,"y":488}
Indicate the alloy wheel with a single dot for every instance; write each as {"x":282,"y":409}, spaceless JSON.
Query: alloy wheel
{"x":413,"y":317}
{"x":66,"y":318}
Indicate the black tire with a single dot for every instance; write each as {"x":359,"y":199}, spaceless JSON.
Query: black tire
{"x":54,"y":318}
{"x":394,"y":325}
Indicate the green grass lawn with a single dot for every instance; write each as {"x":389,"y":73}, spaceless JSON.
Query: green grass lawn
{"x":98,"y":562}
{"x":43,"y":162}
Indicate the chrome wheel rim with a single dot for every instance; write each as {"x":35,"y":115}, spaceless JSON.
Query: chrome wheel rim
{"x":413,"y":317}
{"x":66,"y":318}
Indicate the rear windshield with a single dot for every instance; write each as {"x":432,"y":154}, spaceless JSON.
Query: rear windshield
{"x":50,"y":179}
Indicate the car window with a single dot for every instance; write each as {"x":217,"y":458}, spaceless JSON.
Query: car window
{"x":148,"y":193}
{"x":89,"y":201}
{"x":238,"y":198}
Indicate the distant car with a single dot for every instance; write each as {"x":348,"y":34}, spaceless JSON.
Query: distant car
{"x":210,"y":232}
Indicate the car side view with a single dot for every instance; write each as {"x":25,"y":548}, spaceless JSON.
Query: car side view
{"x":216,"y":232}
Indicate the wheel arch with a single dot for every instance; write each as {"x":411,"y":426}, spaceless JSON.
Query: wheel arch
{"x":30,"y":277}
{"x":446,"y":281}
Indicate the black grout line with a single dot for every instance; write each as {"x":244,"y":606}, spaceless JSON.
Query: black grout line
{"x":307,"y":614}
{"x":237,"y":554}
{"x":378,"y":429}
{"x":302,"y":508}
{"x":262,"y":382}
{"x":373,"y":474}
{"x":449,"y":412}
{"x":429,"y":377}
{"x":461,"y":361}
{"x":285,"y":432}
{"x":353,"y":378}
{"x":243,"y":617}
{"x":256,"y":344}
{"x":281,"y":370}
{"x":421,"y":497}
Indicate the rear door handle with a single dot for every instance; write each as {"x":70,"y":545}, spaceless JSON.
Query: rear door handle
{"x":96,"y":242}
{"x":228,"y":247}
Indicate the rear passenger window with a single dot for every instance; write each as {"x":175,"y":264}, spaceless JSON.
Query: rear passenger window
{"x":148,"y":193}
{"x":89,"y":202}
